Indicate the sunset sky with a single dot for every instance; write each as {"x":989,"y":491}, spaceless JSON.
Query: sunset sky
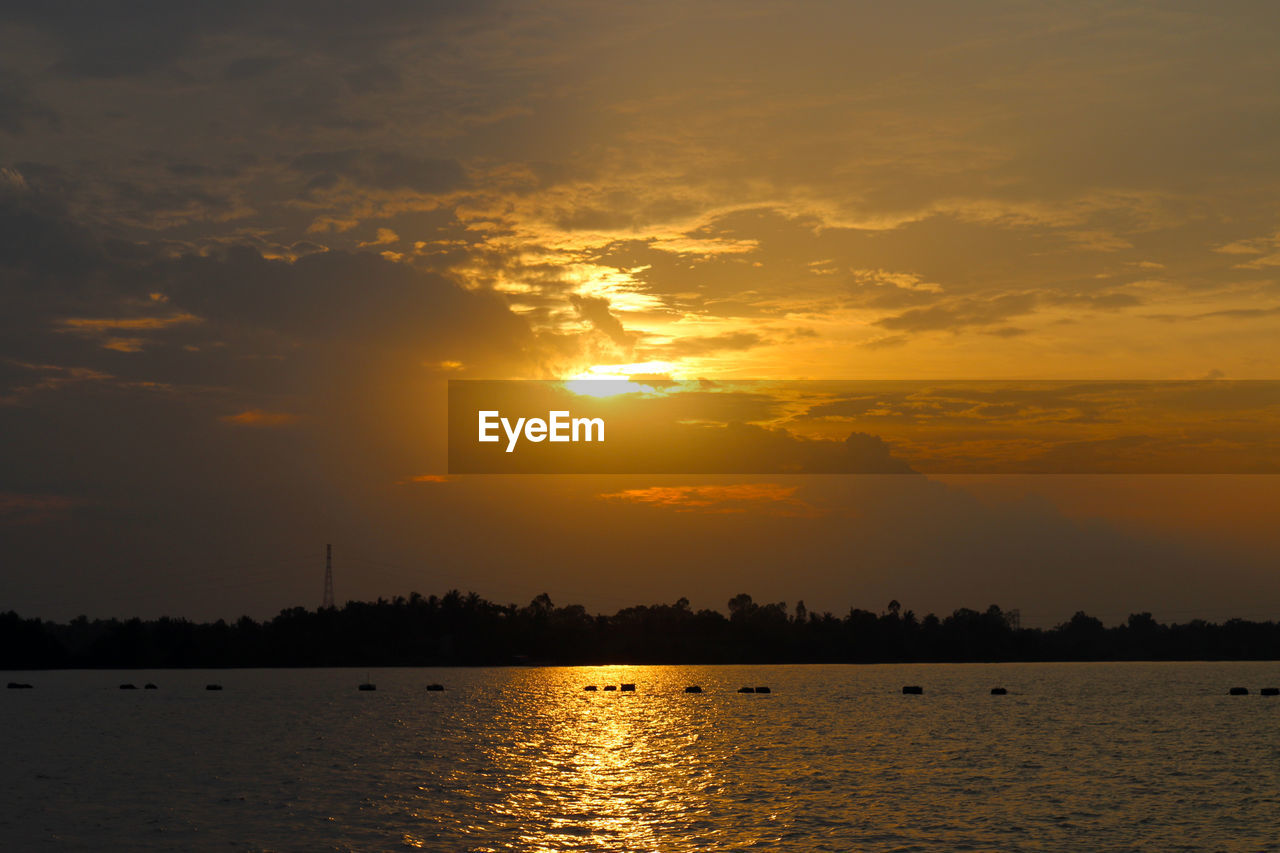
{"x":243,"y":247}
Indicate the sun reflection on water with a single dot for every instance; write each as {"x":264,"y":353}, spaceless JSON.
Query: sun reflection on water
{"x":609,"y":770}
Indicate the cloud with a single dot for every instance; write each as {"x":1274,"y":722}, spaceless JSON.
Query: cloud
{"x":695,"y":245}
{"x":133,"y":324}
{"x":684,"y":347}
{"x":18,"y":381}
{"x":766,"y":498}
{"x":19,"y":109}
{"x":1223,"y":314}
{"x":890,"y":290}
{"x":384,"y":170}
{"x":885,"y":342}
{"x":595,"y":310}
{"x":142,"y":38}
{"x":18,"y":508}
{"x":962,"y":313}
{"x":251,"y":67}
{"x":259,"y":418}
{"x":386,"y":237}
{"x":424,"y":478}
{"x":1100,"y":301}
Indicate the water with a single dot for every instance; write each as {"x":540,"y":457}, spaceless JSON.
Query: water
{"x":1076,"y":757}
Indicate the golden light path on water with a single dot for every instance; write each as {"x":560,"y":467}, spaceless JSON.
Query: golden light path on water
{"x":611,"y":769}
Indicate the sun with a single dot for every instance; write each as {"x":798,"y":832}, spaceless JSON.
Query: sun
{"x":610,"y":380}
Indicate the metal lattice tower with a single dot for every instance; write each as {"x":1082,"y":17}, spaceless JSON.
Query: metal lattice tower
{"x":328,"y":578}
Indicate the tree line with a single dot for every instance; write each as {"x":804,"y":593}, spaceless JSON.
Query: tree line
{"x":466,"y":630}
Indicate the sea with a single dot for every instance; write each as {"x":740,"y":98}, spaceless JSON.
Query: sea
{"x":1074,"y":757}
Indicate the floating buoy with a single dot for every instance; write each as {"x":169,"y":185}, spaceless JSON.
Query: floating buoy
{"x":628,"y":688}
{"x":1238,"y":691}
{"x":1270,"y":691}
{"x":149,"y":686}
{"x":590,"y":687}
{"x":912,"y":689}
{"x":435,"y":687}
{"x":763,"y":690}
{"x":998,"y":691}
{"x":19,"y":685}
{"x":128,"y":687}
{"x":213,"y":687}
{"x":367,"y":686}
{"x":746,"y":690}
{"x":609,"y":687}
{"x":693,"y":688}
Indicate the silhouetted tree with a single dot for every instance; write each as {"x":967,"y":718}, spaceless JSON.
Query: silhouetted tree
{"x":458,"y":629}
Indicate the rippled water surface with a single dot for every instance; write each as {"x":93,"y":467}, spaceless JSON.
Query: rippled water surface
{"x":1076,"y":757}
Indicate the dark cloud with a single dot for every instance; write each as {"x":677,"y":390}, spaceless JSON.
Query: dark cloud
{"x":1102,"y":301}
{"x":962,"y":313}
{"x":1226,"y":314}
{"x":387,"y":170}
{"x":373,"y":77}
{"x":229,"y":318}
{"x":136,"y":37}
{"x":595,"y":310}
{"x":198,"y":170}
{"x":161,"y":204}
{"x":129,"y":38}
{"x":694,"y":346}
{"x":19,"y":108}
{"x":250,"y":67}
{"x":38,"y":238}
{"x":357,"y":297}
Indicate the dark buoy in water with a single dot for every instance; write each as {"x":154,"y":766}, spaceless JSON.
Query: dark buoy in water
{"x":590,"y":687}
{"x":128,"y":687}
{"x":998,"y":691}
{"x":693,"y":688}
{"x":149,"y":686}
{"x":628,"y":688}
{"x":912,"y":690}
{"x":1238,"y":691}
{"x":609,"y":687}
{"x":435,"y":687}
{"x":213,"y":687}
{"x":19,"y":685}
{"x":367,"y":686}
{"x":746,"y":690}
{"x":1270,"y":691}
{"x":763,"y":690}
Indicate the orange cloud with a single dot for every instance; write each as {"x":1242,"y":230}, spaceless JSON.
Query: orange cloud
{"x":385,"y":238}
{"x":259,"y":418}
{"x":106,"y":324}
{"x":123,"y":344}
{"x":772,"y":498}
{"x":18,"y":508}
{"x":423,"y":478}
